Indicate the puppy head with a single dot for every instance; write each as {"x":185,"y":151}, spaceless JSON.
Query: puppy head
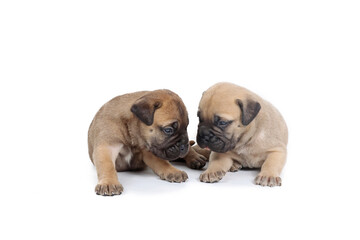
{"x":225,"y":112}
{"x":163,"y":124}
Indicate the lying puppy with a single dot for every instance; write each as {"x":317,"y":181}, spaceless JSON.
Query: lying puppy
{"x":139,"y":129}
{"x":241,"y":130}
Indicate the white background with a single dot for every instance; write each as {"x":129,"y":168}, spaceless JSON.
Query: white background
{"x":60,"y":61}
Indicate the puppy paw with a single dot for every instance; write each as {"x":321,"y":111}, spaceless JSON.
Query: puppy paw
{"x":270,"y":181}
{"x":202,"y":151}
{"x":235,"y":167}
{"x":108,"y":188}
{"x":195,"y":160}
{"x":211,"y":177}
{"x":174,"y":176}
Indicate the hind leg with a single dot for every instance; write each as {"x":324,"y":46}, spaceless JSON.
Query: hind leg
{"x":236,"y":166}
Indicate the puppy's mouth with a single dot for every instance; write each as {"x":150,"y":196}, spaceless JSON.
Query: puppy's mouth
{"x":171,"y":153}
{"x":214,"y":143}
{"x":176,"y":151}
{"x":215,"y":147}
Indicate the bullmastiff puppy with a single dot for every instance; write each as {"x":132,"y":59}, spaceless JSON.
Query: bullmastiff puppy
{"x":140,"y":129}
{"x":242,"y":130}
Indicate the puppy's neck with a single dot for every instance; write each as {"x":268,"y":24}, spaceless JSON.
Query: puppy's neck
{"x":247,"y":136}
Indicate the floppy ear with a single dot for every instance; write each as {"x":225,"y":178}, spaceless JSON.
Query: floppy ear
{"x":249,"y":109}
{"x":144,"y":108}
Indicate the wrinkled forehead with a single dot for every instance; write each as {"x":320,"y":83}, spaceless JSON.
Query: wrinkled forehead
{"x":221,"y":106}
{"x":172,"y":111}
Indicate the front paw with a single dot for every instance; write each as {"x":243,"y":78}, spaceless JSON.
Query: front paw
{"x":109,"y":188}
{"x":174,"y":176}
{"x":270,"y":181}
{"x":195,"y":160}
{"x":211,"y":177}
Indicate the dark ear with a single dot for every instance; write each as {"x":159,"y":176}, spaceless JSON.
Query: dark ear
{"x":249,"y":110}
{"x":144,"y":108}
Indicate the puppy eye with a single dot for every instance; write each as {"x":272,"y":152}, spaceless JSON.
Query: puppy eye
{"x":222,"y":123}
{"x":168,"y":130}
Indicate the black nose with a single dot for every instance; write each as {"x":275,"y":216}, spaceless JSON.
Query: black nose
{"x":182,"y":148}
{"x":183,"y":145}
{"x":204,"y":131}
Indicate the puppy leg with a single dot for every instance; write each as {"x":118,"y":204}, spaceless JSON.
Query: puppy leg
{"x":164,"y":169}
{"x":104,"y":158}
{"x":219,"y":164}
{"x":202,"y":151}
{"x":271,"y":169}
{"x":235,"y":167}
{"x":195,"y":160}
